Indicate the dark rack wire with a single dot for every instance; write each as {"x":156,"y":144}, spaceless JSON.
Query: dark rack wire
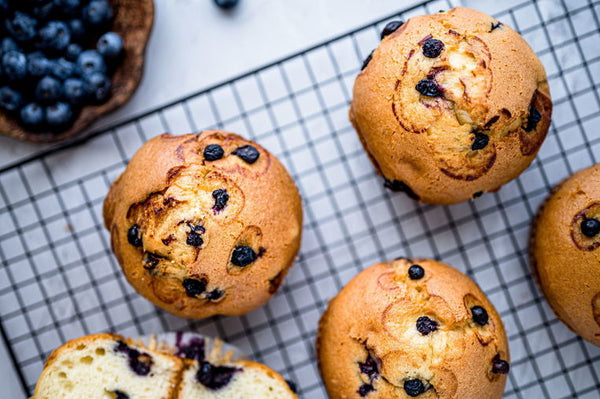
{"x":59,"y":279}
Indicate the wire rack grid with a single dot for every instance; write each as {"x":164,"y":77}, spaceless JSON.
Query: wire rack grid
{"x":59,"y":280}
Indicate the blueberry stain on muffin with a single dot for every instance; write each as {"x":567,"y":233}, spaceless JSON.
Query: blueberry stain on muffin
{"x":495,"y":25}
{"x":134,"y":236}
{"x":140,"y":363}
{"x":150,"y":260}
{"x":193,"y":349}
{"x":416,"y":272}
{"x":390,"y":28}
{"x":365,"y":389}
{"x":590,"y":227}
{"x":194,"y":237}
{"x":215,"y":377}
{"x":247,"y":153}
{"x":426,"y":325}
{"x":367,"y":60}
{"x":243,"y":256}
{"x":221,"y":197}
{"x":414,"y":387}
{"x":429,"y":88}
{"x":480,"y":315}
{"x":500,"y":366}
{"x":194,"y":287}
{"x":432,"y":48}
{"x":369,"y":367}
{"x":397,"y":185}
{"x":213,"y":152}
{"x":480,"y":141}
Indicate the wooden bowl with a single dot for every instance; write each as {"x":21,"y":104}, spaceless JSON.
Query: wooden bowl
{"x":133,"y":21}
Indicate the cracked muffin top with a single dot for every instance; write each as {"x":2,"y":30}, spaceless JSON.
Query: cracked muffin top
{"x":204,"y":224}
{"x":565,"y":238}
{"x":451,"y":105}
{"x":412,"y":328}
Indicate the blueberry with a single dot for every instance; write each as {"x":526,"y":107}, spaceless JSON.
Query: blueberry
{"x":97,"y":13}
{"x":243,"y":256}
{"x":429,"y":88}
{"x":77,"y":30}
{"x":33,"y":115}
{"x":140,"y":363}
{"x":98,"y":87}
{"x":21,"y":26}
{"x":62,"y":69}
{"x":414,"y":388}
{"x":110,"y":45}
{"x":226,"y":4}
{"x":194,"y":237}
{"x":416,"y":272}
{"x":500,"y":366}
{"x":8,"y":44}
{"x":44,"y":11}
{"x":75,"y":91}
{"x":212,"y":152}
{"x":365,"y":389}
{"x":480,"y":315}
{"x":390,"y":28}
{"x":10,"y":99}
{"x":59,"y":114}
{"x":590,"y":227}
{"x":480,"y":141}
{"x":397,"y":185}
{"x":221,"y":197}
{"x":367,"y":60}
{"x":4,"y":7}
{"x":215,"y":377}
{"x":54,"y":36}
{"x":14,"y":64}
{"x":215,"y":294}
{"x":426,"y":326}
{"x":134,"y":236}
{"x":194,"y":349}
{"x":369,"y":367}
{"x":48,"y":90}
{"x":37,"y":64}
{"x":248,"y":153}
{"x":68,"y":7}
{"x":496,"y":25}
{"x":72,"y":52}
{"x":90,"y":61}
{"x":432,"y":48}
{"x":120,"y":395}
{"x":194,"y":287}
{"x":533,"y":119}
{"x":151,"y":260}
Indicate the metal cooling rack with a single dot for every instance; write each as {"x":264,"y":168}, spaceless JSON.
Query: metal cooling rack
{"x":59,"y":280}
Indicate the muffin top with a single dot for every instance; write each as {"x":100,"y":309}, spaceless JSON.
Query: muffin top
{"x":451,"y":105}
{"x":204,"y":224}
{"x":565,"y":255}
{"x":412,"y":328}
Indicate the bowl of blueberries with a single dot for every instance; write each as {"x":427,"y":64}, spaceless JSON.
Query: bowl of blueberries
{"x":64,"y":63}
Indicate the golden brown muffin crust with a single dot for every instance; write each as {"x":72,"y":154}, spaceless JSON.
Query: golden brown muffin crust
{"x":182,"y":260}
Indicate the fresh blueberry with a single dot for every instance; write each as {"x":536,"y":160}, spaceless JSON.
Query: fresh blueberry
{"x":480,"y":315}
{"x":221,"y":197}
{"x":414,"y":388}
{"x":10,"y":99}
{"x":77,"y":29}
{"x":90,"y":61}
{"x":21,"y":26}
{"x":134,"y":236}
{"x":37,"y":64}
{"x":480,"y":141}
{"x":68,"y":7}
{"x":432,"y":48}
{"x":500,"y":366}
{"x":227,"y":4}
{"x":390,"y":28}
{"x":63,"y":69}
{"x":59,"y":114}
{"x":44,"y":11}
{"x":8,"y":44}
{"x":590,"y":227}
{"x":14,"y":64}
{"x":97,"y":13}
{"x":33,"y":115}
{"x":194,"y":287}
{"x":54,"y":36}
{"x":48,"y":90}
{"x":75,"y":91}
{"x":429,"y":88}
{"x":426,"y":326}
{"x":98,"y":87}
{"x":248,"y":153}
{"x":73,"y":51}
{"x":243,"y":256}
{"x":4,"y":7}
{"x":214,"y":377}
{"x":416,"y":272}
{"x":212,"y":152}
{"x":110,"y":45}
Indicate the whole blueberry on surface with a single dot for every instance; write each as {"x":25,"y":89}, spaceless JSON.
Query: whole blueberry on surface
{"x":14,"y":64}
{"x":48,"y":90}
{"x":9,"y":44}
{"x":59,"y":114}
{"x":227,"y":4}
{"x":10,"y":99}
{"x":44,"y":10}
{"x":54,"y":36}
{"x":77,"y":30}
{"x":75,"y":91}
{"x":37,"y":64}
{"x":98,"y":87}
{"x":62,"y":68}
{"x":33,"y":115}
{"x":243,"y":256}
{"x":73,"y":51}
{"x":68,"y":7}
{"x":97,"y":13}
{"x":110,"y":45}
{"x":90,"y":61}
{"x":21,"y":26}
{"x":590,"y":227}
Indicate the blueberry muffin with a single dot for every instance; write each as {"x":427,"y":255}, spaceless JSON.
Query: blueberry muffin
{"x":565,"y":238}
{"x":451,"y":105}
{"x":204,"y":224}
{"x":112,"y":367}
{"x":412,"y":328}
